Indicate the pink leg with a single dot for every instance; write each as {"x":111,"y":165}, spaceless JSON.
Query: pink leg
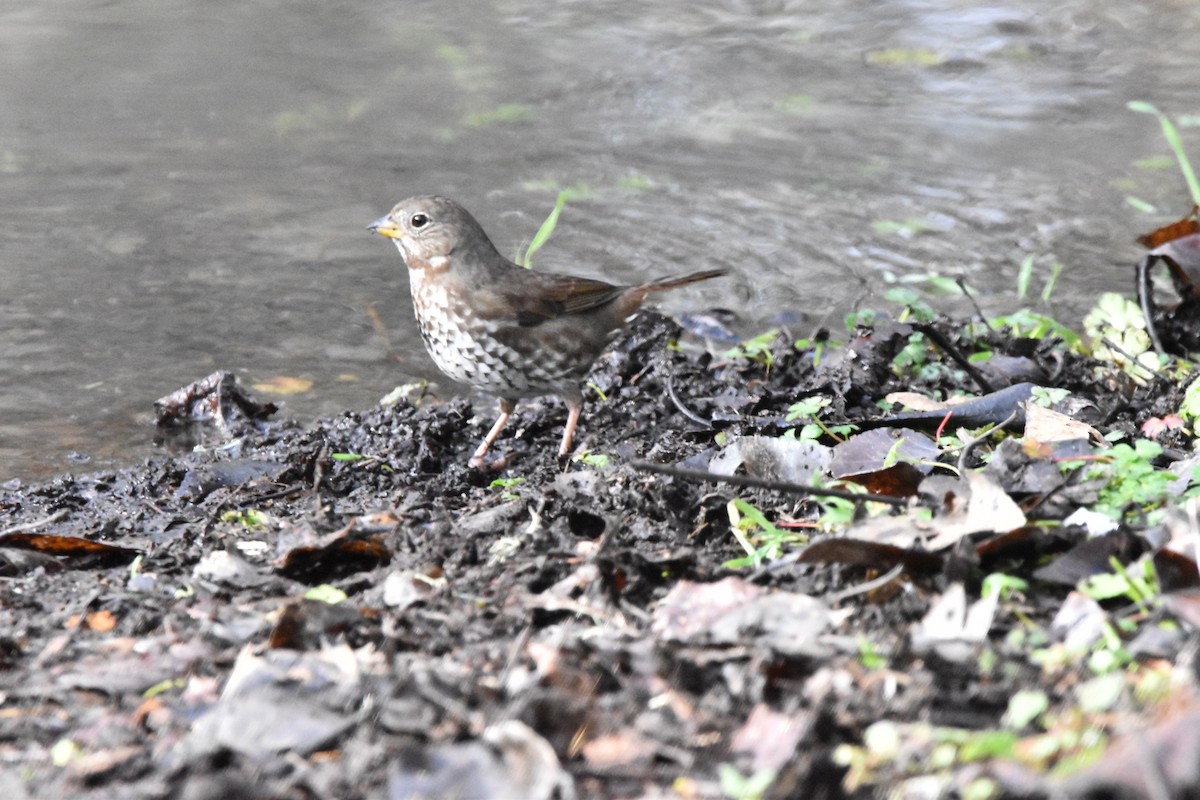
{"x":506,"y":409}
{"x":574,"y":407}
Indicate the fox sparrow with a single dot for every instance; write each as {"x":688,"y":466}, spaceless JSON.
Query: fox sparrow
{"x":498,"y":327}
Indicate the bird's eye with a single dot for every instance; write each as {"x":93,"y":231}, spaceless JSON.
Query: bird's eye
{"x":418,"y":220}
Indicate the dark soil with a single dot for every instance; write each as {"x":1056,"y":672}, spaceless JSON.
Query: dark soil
{"x":569,"y":631}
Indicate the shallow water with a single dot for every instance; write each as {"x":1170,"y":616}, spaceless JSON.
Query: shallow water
{"x":186,"y":185}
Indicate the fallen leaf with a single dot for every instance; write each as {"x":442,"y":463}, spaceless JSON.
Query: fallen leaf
{"x":284,"y":384}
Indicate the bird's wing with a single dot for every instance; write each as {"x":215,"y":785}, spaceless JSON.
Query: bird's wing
{"x":537,"y":298}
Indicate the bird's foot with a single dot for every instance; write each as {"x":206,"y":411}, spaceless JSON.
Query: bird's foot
{"x":479,"y":462}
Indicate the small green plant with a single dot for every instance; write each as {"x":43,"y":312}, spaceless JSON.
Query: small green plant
{"x":817,"y":345}
{"x":836,"y":513}
{"x":914,"y":360}
{"x":737,"y":786}
{"x":904,"y":228}
{"x":1026,"y":324}
{"x":756,"y":349}
{"x":593,"y":460}
{"x":1118,"y":330}
{"x":507,"y":484}
{"x":759,"y":537}
{"x":1109,"y":653}
{"x":1024,"y":707}
{"x":248,"y":518}
{"x":1131,"y":479}
{"x":811,"y":408}
{"x":1025,"y":276}
{"x":509,"y":112}
{"x":551,"y":222}
{"x":1004,"y":586}
{"x":915,"y":308}
{"x":1139,"y":585}
{"x":325,"y":593}
{"x":1171,"y":134}
{"x":863,"y":318}
{"x":1047,"y":397}
{"x":868,"y":656}
{"x":170,"y":684}
{"x":358,"y":460}
{"x":1189,"y":409}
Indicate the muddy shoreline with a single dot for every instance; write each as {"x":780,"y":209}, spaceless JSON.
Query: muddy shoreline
{"x":347,"y":610}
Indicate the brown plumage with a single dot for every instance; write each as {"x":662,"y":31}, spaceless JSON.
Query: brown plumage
{"x":498,"y":327}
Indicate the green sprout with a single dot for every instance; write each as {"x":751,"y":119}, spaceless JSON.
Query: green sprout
{"x":756,"y":349}
{"x":547,"y":229}
{"x":248,"y":518}
{"x":507,"y":484}
{"x":1171,"y":134}
{"x":759,"y":537}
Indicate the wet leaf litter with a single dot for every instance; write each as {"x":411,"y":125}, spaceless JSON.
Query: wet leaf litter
{"x":687,"y":608}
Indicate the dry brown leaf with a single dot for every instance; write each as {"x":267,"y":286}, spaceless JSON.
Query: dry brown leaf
{"x":1047,"y":425}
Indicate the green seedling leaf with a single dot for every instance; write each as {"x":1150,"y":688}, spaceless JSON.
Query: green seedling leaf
{"x":1118,"y":320}
{"x":868,"y":656}
{"x":164,"y":686}
{"x":836,"y":513}
{"x":1048,"y":290}
{"x":737,"y":786}
{"x":594,"y":460}
{"x":1028,"y":324}
{"x":1154,"y":163}
{"x":1140,"y":205}
{"x":1101,"y":693}
{"x":63,"y":752}
{"x":902,"y":56}
{"x":547,"y":229}
{"x":861,"y":319}
{"x":796,"y":103}
{"x":249,"y":518}
{"x":809,"y":407}
{"x":758,"y":536}
{"x":756,"y":349}
{"x":1176,"y":143}
{"x":509,"y":112}
{"x":1024,"y":707}
{"x":325,"y":593}
{"x":1047,"y":397}
{"x":1024,"y":275}
{"x":1003,"y":586}
{"x":1189,"y":409}
{"x":988,"y":744}
{"x":914,"y":306}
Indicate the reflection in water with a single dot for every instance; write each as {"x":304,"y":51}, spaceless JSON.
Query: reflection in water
{"x":185,"y":185}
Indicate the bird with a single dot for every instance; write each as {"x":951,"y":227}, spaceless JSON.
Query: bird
{"x":498,"y":327}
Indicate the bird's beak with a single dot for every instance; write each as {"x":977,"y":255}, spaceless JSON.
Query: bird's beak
{"x":386,"y":226}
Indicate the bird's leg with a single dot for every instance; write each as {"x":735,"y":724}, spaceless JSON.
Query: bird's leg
{"x":506,"y":409}
{"x":574,"y":407}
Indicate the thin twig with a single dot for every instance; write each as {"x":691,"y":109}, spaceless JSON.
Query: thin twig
{"x":962,"y":284}
{"x":1111,"y":345}
{"x":37,"y":523}
{"x":957,"y":357}
{"x":683,"y":409}
{"x":1145,"y":300}
{"x":970,"y":444}
{"x":763,"y":483}
{"x":863,"y":588}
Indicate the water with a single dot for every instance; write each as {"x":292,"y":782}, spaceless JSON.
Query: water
{"x":185,"y":185}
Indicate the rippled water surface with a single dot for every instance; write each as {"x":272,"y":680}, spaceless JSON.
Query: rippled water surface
{"x":185,"y":185}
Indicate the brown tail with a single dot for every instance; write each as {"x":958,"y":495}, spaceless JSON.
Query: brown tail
{"x":662,"y":284}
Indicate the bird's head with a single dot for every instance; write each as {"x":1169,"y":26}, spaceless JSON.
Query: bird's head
{"x":427,"y":230}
